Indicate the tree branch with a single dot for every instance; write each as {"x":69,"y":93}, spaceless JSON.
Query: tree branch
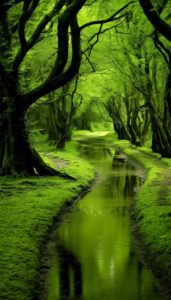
{"x":57,"y":77}
{"x":155,"y":19}
{"x":166,"y":53}
{"x":36,"y":34}
{"x":110,"y":19}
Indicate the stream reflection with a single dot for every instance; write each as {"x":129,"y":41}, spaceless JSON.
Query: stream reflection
{"x":92,"y":254}
{"x":68,"y":264}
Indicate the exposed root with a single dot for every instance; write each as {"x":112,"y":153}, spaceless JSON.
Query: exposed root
{"x":32,"y":166}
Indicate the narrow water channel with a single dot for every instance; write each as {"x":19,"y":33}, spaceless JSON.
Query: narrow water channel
{"x":92,"y":255}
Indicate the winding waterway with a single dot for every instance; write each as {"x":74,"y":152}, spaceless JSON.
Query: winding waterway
{"x":92,"y":253}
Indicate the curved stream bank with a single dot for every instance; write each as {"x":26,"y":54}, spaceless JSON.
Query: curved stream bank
{"x":92,"y":255}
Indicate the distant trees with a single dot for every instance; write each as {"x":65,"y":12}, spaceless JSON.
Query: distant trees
{"x":161,"y":122}
{"x":138,"y":58}
{"x":141,"y":61}
{"x":115,"y":111}
{"x":58,"y":112}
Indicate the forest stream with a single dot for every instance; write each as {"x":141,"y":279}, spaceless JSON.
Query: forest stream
{"x":92,"y":255}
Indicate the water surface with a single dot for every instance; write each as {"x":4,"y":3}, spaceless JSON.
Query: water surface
{"x":92,"y":254}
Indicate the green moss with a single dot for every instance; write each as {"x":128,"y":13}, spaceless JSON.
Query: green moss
{"x":27,"y":210}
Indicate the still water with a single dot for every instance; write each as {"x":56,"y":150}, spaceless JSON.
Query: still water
{"x":92,"y":254}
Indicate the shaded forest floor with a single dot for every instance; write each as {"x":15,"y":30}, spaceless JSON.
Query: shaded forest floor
{"x":28,"y":208}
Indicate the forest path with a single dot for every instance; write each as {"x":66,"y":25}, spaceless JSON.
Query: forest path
{"x":58,"y":162}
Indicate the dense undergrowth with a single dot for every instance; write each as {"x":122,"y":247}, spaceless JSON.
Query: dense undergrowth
{"x":28,"y":207}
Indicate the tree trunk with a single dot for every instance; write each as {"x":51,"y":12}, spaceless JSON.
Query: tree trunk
{"x":161,"y":142}
{"x":121,"y":131}
{"x":167,"y":108}
{"x":61,"y":142}
{"x":18,"y":158}
{"x":1,"y":140}
{"x":51,"y":122}
{"x":1,"y":122}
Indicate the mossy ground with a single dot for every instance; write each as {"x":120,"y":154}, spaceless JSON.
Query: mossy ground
{"x":152,"y":211}
{"x":28,"y":207}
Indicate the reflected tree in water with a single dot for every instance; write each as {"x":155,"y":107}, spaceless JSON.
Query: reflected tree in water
{"x":68,"y":265}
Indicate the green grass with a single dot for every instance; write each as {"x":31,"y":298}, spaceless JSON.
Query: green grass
{"x":28,"y":207}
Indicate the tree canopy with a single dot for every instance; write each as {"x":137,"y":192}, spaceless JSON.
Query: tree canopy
{"x":117,"y":53}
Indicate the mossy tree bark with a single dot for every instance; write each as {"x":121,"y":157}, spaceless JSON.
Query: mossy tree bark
{"x":162,"y":128}
{"x":161,"y":143}
{"x":19,"y":158}
{"x":60,"y":110}
{"x":118,"y":124}
{"x":17,"y":155}
{"x":167,"y":108}
{"x":161,"y":134}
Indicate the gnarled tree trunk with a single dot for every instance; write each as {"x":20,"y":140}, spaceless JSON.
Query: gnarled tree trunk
{"x":161,"y":142}
{"x":17,"y":155}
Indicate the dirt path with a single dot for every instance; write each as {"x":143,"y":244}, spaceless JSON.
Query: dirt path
{"x":59,"y":163}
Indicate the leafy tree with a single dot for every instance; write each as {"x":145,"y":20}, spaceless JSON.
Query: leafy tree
{"x":161,"y":121}
{"x":114,"y":110}
{"x":16,"y":154}
{"x":140,"y":69}
{"x":21,"y":31}
{"x":119,"y":54}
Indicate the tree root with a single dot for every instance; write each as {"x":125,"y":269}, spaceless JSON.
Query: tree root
{"x":43,"y":169}
{"x":32,"y":166}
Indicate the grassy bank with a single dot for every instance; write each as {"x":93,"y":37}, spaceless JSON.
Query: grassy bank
{"x":28,"y":207}
{"x":152,"y":211}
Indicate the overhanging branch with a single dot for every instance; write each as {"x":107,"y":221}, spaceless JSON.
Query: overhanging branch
{"x":110,"y":19}
{"x":57,"y":77}
{"x":155,"y":19}
{"x":26,"y":46}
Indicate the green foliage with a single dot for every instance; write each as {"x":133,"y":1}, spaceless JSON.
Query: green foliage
{"x":114,"y":64}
